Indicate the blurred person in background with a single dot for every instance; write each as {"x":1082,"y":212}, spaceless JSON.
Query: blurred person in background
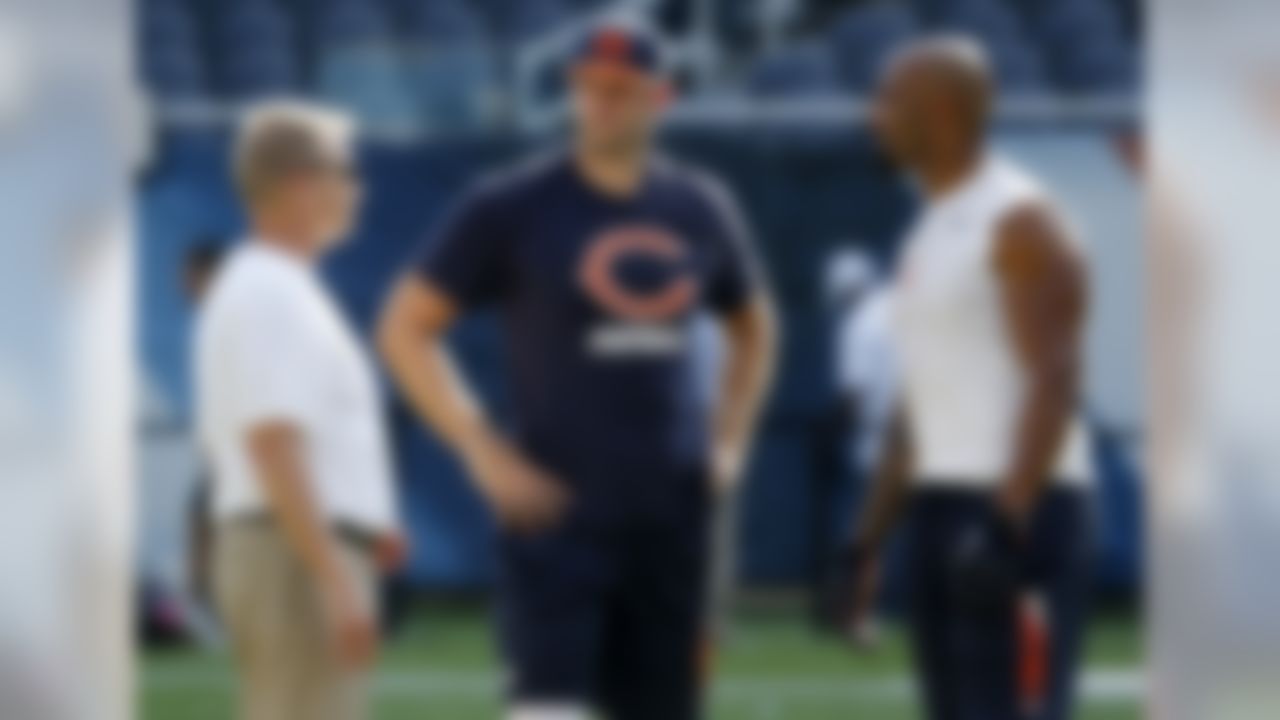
{"x":179,"y":610}
{"x":174,"y":595}
{"x":599,"y":259}
{"x":866,"y":383}
{"x":866,"y":365}
{"x":987,"y":453}
{"x":199,"y":269}
{"x":291,"y":421}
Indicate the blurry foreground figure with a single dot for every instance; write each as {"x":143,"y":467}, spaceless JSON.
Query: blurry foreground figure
{"x":986,"y":455}
{"x":599,"y":260}
{"x":289,"y":417}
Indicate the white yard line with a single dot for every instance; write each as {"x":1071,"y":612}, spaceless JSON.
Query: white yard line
{"x":1109,"y":685}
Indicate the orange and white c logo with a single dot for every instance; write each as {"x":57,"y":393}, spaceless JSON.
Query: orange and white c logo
{"x":596,"y":274}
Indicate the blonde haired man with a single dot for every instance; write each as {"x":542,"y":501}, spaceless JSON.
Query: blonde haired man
{"x":289,"y":415}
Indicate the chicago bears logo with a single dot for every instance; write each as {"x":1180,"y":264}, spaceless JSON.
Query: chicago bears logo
{"x":598,"y":274}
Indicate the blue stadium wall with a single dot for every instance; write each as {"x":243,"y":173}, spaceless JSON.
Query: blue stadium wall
{"x":804,"y":193}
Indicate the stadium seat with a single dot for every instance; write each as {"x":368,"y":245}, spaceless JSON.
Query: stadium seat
{"x":735,"y":21}
{"x":1019,"y":69}
{"x":454,"y":86}
{"x":1017,"y":64}
{"x":350,"y":22}
{"x":442,"y":78}
{"x":257,"y":51}
{"x":1099,"y":67}
{"x":167,"y":22}
{"x":260,"y":71}
{"x":370,"y":82}
{"x":359,"y":68}
{"x":172,"y":65}
{"x":174,"y":71}
{"x":521,"y":20}
{"x":448,"y":22}
{"x":449,"y":68}
{"x":254,"y":23}
{"x":864,"y":35}
{"x":1086,"y":45}
{"x":797,"y":70}
{"x":991,"y":20}
{"x":1059,"y":23}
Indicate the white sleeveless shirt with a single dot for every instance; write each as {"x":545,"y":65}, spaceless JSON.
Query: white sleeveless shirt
{"x":963,"y":386}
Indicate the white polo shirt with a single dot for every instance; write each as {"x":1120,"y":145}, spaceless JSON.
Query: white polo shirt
{"x":271,"y":345}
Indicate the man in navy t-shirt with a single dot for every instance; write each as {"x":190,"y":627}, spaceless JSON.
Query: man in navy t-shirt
{"x":600,"y":261}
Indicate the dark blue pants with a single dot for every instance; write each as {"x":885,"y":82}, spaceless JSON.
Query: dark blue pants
{"x":970,"y":579}
{"x":610,"y":614}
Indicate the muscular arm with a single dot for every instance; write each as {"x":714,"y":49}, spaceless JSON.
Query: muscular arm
{"x":1042,"y":285}
{"x":751,"y":338}
{"x":411,"y":337}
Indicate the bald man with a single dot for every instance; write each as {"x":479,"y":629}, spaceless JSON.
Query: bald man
{"x":987,"y":456}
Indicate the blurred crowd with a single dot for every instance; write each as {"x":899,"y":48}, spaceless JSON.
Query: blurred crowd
{"x":453,"y":65}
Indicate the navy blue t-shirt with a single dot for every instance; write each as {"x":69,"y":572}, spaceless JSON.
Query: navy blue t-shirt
{"x":598,"y":296}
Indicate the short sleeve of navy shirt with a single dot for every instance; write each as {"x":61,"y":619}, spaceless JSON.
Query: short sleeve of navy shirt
{"x":598,"y":297}
{"x":465,"y":257}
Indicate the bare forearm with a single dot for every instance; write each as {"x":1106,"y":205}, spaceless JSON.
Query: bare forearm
{"x":436,"y":390}
{"x":411,"y":338}
{"x":750,"y":359}
{"x":277,"y":455}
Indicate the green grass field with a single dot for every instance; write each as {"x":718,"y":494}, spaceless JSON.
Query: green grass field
{"x":774,"y":667}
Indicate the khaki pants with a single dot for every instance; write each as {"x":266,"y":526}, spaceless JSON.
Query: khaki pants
{"x":284,"y":657}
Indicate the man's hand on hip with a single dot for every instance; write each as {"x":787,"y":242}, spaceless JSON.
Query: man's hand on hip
{"x":525,"y":497}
